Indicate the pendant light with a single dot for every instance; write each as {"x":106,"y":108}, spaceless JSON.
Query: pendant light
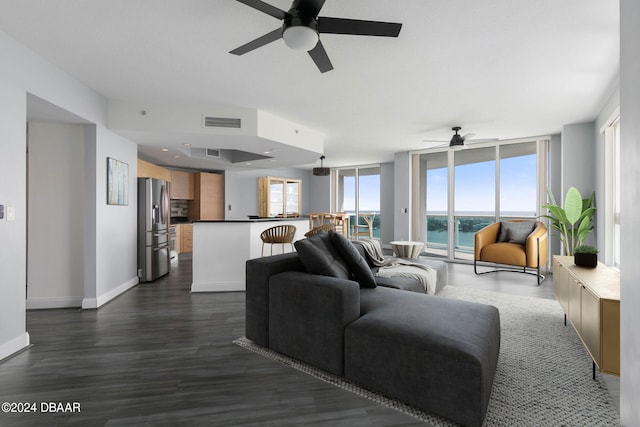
{"x":321,"y":171}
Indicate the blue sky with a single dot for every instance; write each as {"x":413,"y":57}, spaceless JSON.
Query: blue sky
{"x":475,"y":186}
{"x":369,"y":193}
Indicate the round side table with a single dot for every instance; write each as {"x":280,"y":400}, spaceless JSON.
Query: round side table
{"x":407,"y":249}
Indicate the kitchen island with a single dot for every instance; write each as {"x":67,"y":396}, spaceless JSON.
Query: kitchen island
{"x":222,"y":247}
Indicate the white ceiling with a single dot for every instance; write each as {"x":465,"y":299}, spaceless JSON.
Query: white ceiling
{"x":499,"y":68}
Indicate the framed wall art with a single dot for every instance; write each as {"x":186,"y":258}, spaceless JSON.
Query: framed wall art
{"x":117,"y":182}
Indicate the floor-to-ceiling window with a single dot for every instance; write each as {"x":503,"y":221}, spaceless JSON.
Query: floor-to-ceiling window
{"x":462,"y":191}
{"x":436,"y":198}
{"x":357,"y":192}
{"x":612,"y":193}
{"x":474,"y":195}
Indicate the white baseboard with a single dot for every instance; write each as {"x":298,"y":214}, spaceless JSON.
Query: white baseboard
{"x":56,"y":302}
{"x":218,"y":287}
{"x":15,"y":345}
{"x":100,"y":300}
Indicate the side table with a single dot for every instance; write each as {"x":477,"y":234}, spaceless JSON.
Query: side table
{"x":407,"y":249}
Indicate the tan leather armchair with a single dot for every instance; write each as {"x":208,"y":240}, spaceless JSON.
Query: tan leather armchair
{"x":517,"y":243}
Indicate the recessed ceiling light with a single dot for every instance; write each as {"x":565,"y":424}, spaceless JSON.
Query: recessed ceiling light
{"x":177,"y":156}
{"x":186,"y":144}
{"x":165,"y":149}
{"x":248,"y":163}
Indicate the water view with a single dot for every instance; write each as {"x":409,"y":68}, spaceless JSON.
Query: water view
{"x":467,"y":224}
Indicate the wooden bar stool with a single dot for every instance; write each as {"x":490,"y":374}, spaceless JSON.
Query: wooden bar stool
{"x":280,"y":234}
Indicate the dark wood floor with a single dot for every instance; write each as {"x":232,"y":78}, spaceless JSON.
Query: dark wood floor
{"x":158,"y":355}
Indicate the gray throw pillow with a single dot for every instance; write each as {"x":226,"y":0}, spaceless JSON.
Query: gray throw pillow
{"x":515,"y":232}
{"x":320,"y":257}
{"x":355,"y":261}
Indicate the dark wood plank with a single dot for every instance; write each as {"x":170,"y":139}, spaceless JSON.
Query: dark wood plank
{"x":160,"y":355}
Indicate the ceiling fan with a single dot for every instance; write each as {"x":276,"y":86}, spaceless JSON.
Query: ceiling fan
{"x":457,"y":141}
{"x":302,"y":26}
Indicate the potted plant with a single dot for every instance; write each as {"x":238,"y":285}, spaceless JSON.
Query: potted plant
{"x":574,"y":221}
{"x":585,"y":256}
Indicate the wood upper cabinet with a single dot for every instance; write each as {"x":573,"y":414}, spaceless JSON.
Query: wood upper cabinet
{"x":279,"y":197}
{"x":208,"y":198}
{"x":149,"y":170}
{"x":182,"y":185}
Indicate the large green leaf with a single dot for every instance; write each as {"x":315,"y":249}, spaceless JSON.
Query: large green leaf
{"x":584,"y":228}
{"x":573,"y":205}
{"x":557,"y":213}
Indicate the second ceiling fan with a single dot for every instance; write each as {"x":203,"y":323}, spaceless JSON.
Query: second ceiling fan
{"x":302,"y":26}
{"x":457,"y":141}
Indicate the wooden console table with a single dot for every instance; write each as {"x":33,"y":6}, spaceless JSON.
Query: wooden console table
{"x":590,"y":298}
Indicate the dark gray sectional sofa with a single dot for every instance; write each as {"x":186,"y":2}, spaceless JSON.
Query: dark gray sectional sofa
{"x":437,"y":354}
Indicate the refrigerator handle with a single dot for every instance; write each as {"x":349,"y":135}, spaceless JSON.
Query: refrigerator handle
{"x":164,"y":205}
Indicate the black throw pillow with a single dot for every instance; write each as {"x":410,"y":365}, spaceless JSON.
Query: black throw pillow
{"x":515,"y":231}
{"x":320,"y":257}
{"x":355,"y":261}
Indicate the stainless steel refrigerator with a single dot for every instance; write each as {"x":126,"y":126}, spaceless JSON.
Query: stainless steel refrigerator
{"x":153,"y":228}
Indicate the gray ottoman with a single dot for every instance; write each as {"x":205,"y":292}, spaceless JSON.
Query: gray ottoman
{"x":437,"y":354}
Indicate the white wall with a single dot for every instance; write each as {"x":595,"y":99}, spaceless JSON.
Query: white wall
{"x":55,"y":271}
{"x":402,"y":196}
{"x":578,"y":158}
{"x":13,"y":190}
{"x":24,"y":72}
{"x":241,"y":189}
{"x":555,"y":181}
{"x":116,"y":226}
{"x":319,"y":190}
{"x":629,"y":223}
{"x":578,"y":150}
{"x":387,"y":204}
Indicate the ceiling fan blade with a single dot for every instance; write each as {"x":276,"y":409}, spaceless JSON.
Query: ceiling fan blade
{"x":265,"y":8}
{"x":259,"y":42}
{"x":477,"y":141}
{"x":358,"y":27}
{"x":320,"y":57}
{"x":468,"y":135}
{"x":308,"y":8}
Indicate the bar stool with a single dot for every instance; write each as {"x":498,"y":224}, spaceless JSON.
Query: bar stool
{"x":365,"y":229}
{"x":280,"y":234}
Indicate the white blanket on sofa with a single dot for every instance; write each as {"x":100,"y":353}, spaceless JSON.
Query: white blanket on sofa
{"x":394,"y":267}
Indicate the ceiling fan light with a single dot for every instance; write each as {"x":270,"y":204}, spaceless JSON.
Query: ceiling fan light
{"x":457,"y":143}
{"x":300,"y":37}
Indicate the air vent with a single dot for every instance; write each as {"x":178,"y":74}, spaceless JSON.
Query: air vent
{"x":210,"y":152}
{"x":221,"y":122}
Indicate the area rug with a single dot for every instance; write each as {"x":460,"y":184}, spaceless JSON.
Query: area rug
{"x":543,"y":376}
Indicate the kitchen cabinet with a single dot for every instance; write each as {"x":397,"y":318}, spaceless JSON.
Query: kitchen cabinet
{"x":186,"y":237}
{"x":182,"y":185}
{"x":149,"y":170}
{"x":178,"y":242}
{"x":590,"y":298}
{"x":279,"y":197}
{"x":208,"y":197}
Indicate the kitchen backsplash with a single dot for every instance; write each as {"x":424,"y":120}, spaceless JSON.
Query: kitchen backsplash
{"x":179,"y":208}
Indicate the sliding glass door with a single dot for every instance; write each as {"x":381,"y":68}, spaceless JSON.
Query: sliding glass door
{"x":474,"y":196}
{"x":358,"y":194}
{"x":463,"y":191}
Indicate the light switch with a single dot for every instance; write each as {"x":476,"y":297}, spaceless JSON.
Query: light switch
{"x":11,"y":213}
{"x":1,"y":211}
